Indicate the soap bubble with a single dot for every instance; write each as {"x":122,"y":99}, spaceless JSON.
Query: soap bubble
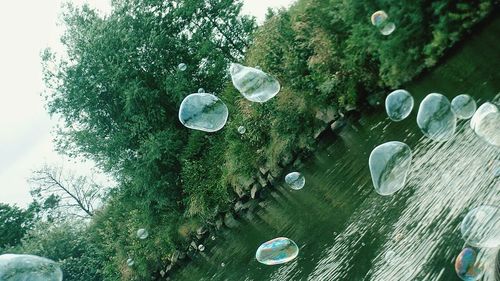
{"x":378,"y":18}
{"x":241,"y":130}
{"x":486,"y":123}
{"x":389,"y":256}
{"x":204,"y":112}
{"x":130,"y":262}
{"x":481,"y":227}
{"x":201,"y":248}
{"x":201,"y":90}
{"x":463,"y":106}
{"x":435,"y":118}
{"x":398,"y":105}
{"x":142,"y":233}
{"x":388,"y":29}
{"x":182,"y":66}
{"x":295,"y":180}
{"x":28,"y":268}
{"x":254,"y":84}
{"x":467,"y":265}
{"x":277,"y":251}
{"x":389,"y":165}
{"x":222,"y":264}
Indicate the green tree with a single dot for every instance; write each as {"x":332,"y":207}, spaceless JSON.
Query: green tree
{"x":14,"y":223}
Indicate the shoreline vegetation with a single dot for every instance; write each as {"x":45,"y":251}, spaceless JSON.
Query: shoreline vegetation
{"x":118,"y":90}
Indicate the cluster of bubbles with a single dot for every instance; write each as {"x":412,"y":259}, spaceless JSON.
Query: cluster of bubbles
{"x":380,"y":20}
{"x":28,"y":268}
{"x":277,"y":251}
{"x":295,"y":180}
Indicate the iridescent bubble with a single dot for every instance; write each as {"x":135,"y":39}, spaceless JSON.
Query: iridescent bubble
{"x":481,"y":227}
{"x":463,"y":106}
{"x":201,"y":90}
{"x":398,"y":105}
{"x":277,"y":251}
{"x":378,"y":18}
{"x":182,"y":66}
{"x":388,"y":29}
{"x":130,"y":262}
{"x":435,"y":118}
{"x":201,"y":248}
{"x":28,"y":268}
{"x":241,"y":130}
{"x":486,"y":123}
{"x":389,"y":165}
{"x":467,"y":267}
{"x":254,"y":84}
{"x":295,"y":180}
{"x":203,"y":112}
{"x":142,"y":233}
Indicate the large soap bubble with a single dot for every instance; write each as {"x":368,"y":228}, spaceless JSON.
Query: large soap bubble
{"x":435,"y":118}
{"x":295,"y":180}
{"x":486,"y":123}
{"x":277,"y":251}
{"x":28,"y":268}
{"x":204,"y":112}
{"x":463,"y":106}
{"x":481,"y":227}
{"x":389,"y":166}
{"x":467,"y":266}
{"x":379,"y":19}
{"x":254,"y":84}
{"x":142,"y":233}
{"x":398,"y":105}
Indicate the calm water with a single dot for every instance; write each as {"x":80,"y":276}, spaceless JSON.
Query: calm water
{"x":343,"y":228}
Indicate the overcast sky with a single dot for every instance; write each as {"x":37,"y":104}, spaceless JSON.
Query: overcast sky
{"x":27,"y":27}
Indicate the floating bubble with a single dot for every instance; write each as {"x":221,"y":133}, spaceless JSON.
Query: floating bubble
{"x":486,"y":123}
{"x":201,"y":90}
{"x":481,"y":227}
{"x":28,"y":268}
{"x":254,"y":84}
{"x":222,"y":264}
{"x":398,"y":105}
{"x":201,"y":248}
{"x":241,"y":130}
{"x":389,"y":256}
{"x":295,"y":180}
{"x":463,"y":106}
{"x":142,"y":233}
{"x":388,"y":29}
{"x":467,"y":267}
{"x":204,"y":112}
{"x":435,"y":118}
{"x":130,"y":262}
{"x":378,"y":18}
{"x":277,"y":251}
{"x":389,"y":166}
{"x":182,"y":66}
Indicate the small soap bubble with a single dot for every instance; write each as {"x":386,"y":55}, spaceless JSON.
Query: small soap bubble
{"x":254,"y":84}
{"x":277,"y":251}
{"x":142,"y":233}
{"x":398,"y":105}
{"x":203,"y":112}
{"x":389,"y":256}
{"x":467,"y":266}
{"x":28,"y":268}
{"x":201,"y":248}
{"x":182,"y":66}
{"x":389,"y":165}
{"x":222,"y":264}
{"x":130,"y":262}
{"x":463,"y":106}
{"x":435,"y":118}
{"x":378,"y":18}
{"x":388,"y":29}
{"x":241,"y":130}
{"x":295,"y":180}
{"x":481,"y":227}
{"x":201,"y":90}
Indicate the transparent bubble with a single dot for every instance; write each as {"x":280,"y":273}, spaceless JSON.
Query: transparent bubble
{"x":201,"y":90}
{"x":130,"y":262}
{"x":389,"y":256}
{"x":295,"y":180}
{"x":389,"y":165}
{"x":486,"y":123}
{"x":241,"y":130}
{"x":467,"y":265}
{"x":435,"y":118}
{"x":142,"y":233}
{"x":378,"y":18}
{"x":388,"y":29}
{"x":201,"y":248}
{"x":182,"y":66}
{"x":481,"y":227}
{"x":463,"y":106}
{"x":28,"y":268}
{"x":398,"y":105}
{"x":222,"y":264}
{"x":204,"y":112}
{"x":277,"y":251}
{"x":254,"y":84}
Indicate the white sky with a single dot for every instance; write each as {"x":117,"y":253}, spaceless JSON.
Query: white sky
{"x":26,"y":28}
